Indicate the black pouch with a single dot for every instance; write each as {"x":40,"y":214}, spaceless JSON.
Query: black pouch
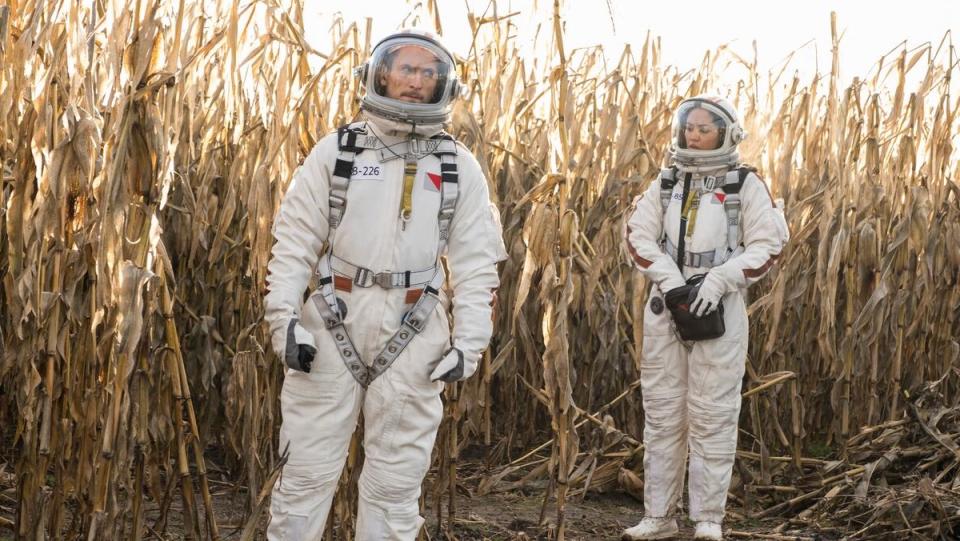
{"x":690,"y":327}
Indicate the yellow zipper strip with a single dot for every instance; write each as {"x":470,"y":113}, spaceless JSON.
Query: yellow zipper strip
{"x":409,"y":174}
{"x":690,"y":212}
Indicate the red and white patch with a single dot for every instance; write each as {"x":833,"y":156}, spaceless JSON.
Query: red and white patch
{"x":431,"y":182}
{"x":719,"y":197}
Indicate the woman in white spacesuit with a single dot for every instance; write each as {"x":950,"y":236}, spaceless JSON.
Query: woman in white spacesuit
{"x":705,"y":215}
{"x":371,"y":211}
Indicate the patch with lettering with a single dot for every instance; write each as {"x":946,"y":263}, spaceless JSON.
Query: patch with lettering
{"x":367,"y":171}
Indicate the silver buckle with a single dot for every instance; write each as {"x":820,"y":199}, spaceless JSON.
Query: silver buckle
{"x":363,"y":277}
{"x":331,"y":322}
{"x":414,"y":323}
{"x":367,"y":278}
{"x":383,"y":279}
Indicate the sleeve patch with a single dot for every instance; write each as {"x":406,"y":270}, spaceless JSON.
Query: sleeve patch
{"x":644,"y":263}
{"x":760,"y":271}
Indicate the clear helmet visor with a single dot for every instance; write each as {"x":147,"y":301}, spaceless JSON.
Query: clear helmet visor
{"x":410,"y":72}
{"x":699,"y":125}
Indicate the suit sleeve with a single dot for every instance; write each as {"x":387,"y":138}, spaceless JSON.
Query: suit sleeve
{"x":764,"y":234}
{"x":642,"y":232}
{"x":473,"y":251}
{"x":299,"y":230}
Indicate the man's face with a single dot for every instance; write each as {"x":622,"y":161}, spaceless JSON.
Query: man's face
{"x":413,"y":75}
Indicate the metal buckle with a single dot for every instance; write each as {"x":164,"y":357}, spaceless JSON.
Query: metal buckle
{"x":331,"y":322}
{"x":367,"y":278}
{"x":416,"y":324}
{"x":338,"y":201}
{"x":363,"y":277}
{"x":383,"y":279}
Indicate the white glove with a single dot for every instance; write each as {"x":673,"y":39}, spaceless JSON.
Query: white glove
{"x":708,"y":296}
{"x":671,"y":283}
{"x":452,"y":368}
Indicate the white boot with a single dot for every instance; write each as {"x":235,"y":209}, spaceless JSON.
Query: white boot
{"x":652,"y":528}
{"x":708,"y":530}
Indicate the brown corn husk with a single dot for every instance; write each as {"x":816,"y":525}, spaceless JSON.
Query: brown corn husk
{"x":146,"y":147}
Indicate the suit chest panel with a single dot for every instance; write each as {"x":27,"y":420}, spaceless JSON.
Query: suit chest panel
{"x":375,"y":194}
{"x":709,"y":221}
{"x":372,"y":232}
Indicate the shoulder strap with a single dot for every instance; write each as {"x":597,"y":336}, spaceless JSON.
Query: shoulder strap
{"x":668,"y":179}
{"x":349,"y":137}
{"x":446,"y":151}
{"x":736,"y":177}
{"x":348,"y":146}
{"x":446,"y":144}
{"x":732,"y":183}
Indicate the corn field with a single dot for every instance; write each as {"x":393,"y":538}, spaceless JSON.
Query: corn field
{"x":145,"y":149}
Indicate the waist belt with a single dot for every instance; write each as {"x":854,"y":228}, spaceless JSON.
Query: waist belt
{"x":411,"y":325}
{"x":693,"y":259}
{"x":363,"y":277}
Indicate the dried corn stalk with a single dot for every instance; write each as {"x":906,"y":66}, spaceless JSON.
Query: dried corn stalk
{"x":146,"y":146}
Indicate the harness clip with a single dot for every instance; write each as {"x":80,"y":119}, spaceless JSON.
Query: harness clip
{"x":331,"y":323}
{"x":383,"y":279}
{"x":414,"y":323}
{"x":368,"y":278}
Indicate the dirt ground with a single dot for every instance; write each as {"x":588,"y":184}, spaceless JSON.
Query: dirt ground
{"x":515,"y":515}
{"x":506,"y":516}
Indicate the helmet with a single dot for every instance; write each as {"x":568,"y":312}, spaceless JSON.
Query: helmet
{"x":706,"y":132}
{"x":410,"y":77}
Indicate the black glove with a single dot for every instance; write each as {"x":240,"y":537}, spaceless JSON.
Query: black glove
{"x":450,"y":367}
{"x":298,"y":356}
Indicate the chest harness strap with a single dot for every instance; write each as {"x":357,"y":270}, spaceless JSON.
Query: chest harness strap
{"x":351,"y":141}
{"x":730,"y":183}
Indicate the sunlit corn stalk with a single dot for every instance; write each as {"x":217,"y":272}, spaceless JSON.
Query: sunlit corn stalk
{"x":161,"y":135}
{"x":104,"y":129}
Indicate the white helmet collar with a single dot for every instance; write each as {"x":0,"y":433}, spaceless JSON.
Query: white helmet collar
{"x":721,"y":122}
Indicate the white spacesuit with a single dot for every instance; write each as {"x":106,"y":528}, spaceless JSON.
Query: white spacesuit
{"x":371,"y":211}
{"x":705,"y":214}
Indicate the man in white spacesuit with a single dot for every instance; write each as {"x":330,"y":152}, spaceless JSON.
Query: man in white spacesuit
{"x":705,"y":214}
{"x":370,"y":212}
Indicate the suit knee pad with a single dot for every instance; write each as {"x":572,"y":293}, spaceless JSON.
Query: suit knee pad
{"x":387,"y":489}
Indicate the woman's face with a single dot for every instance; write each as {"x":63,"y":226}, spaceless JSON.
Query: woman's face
{"x":700,"y":132}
